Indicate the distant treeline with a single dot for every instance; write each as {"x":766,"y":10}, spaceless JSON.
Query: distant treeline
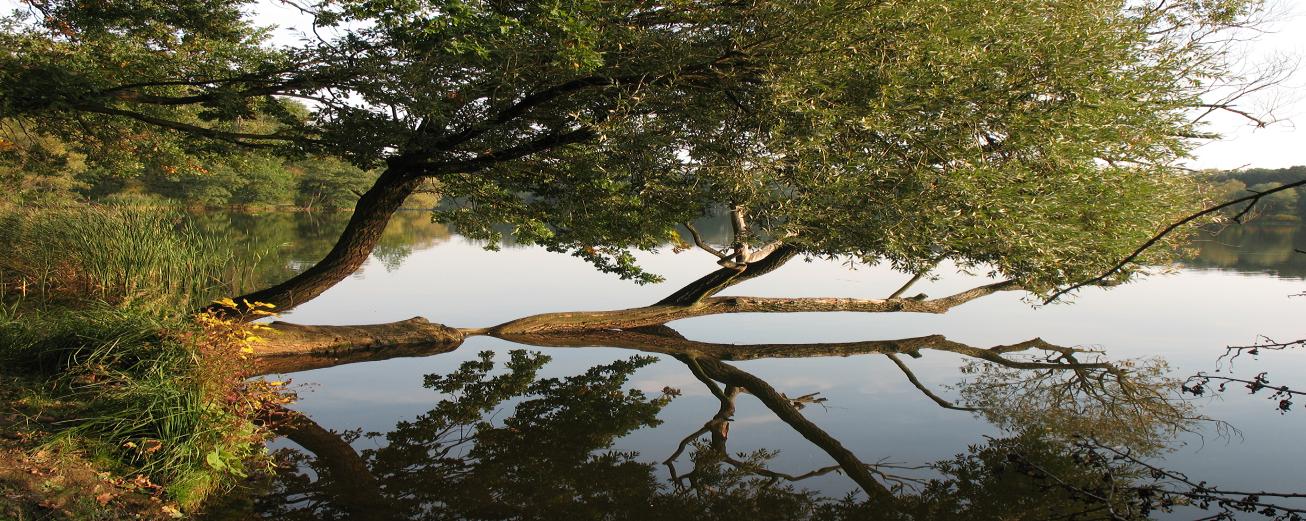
{"x":38,"y":168}
{"x":1288,"y":205}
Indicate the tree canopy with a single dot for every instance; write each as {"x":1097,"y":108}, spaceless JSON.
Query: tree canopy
{"x":1031,"y":138}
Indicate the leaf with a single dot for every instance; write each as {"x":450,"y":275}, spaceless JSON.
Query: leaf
{"x":214,"y":459}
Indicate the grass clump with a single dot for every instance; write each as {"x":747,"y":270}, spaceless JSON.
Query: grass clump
{"x":156,"y":397}
{"x":148,"y":258}
{"x":97,"y":318}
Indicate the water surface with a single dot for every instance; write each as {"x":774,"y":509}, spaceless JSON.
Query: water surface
{"x":577,"y":443}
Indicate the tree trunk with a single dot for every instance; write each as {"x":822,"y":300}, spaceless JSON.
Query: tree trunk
{"x":289,"y":348}
{"x":662,"y":314}
{"x":714,"y":282}
{"x":371,"y":215}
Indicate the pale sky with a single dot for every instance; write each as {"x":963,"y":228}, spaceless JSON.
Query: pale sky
{"x":1281,"y":144}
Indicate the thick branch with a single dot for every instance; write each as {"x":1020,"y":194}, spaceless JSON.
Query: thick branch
{"x":288,"y":348}
{"x":488,"y":159}
{"x":239,"y":138}
{"x":723,"y":278}
{"x":703,"y":245}
{"x":663,"y":313}
{"x":371,"y":214}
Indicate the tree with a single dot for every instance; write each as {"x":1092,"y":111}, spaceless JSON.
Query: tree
{"x":1034,"y":139}
{"x":330,"y":183}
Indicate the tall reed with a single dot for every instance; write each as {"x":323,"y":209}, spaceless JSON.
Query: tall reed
{"x":148,"y":258}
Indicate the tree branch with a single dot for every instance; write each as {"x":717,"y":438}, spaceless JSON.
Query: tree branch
{"x":238,"y":138}
{"x":911,"y":377}
{"x":698,"y":241}
{"x":1251,"y":200}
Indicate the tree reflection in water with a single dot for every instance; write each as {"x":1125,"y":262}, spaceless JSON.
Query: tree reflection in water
{"x":1069,"y":416}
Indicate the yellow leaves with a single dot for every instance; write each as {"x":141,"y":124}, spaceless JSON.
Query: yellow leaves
{"x":226,"y":302}
{"x":219,"y":330}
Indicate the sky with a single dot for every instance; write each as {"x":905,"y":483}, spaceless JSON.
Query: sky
{"x":1282,"y":143}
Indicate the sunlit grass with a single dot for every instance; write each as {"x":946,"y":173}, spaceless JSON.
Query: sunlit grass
{"x":147,"y":258}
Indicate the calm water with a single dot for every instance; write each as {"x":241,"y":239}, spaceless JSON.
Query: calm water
{"x":578,"y":444}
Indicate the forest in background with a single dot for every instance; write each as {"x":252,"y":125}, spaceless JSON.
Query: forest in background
{"x":41,"y":169}
{"x":37,"y":168}
{"x":1285,"y":206}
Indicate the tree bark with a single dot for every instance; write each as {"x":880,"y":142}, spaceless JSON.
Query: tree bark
{"x":289,"y":348}
{"x":714,"y":282}
{"x":662,"y":313}
{"x":371,"y":215}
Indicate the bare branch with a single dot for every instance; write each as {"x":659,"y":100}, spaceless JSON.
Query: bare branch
{"x":1251,"y":200}
{"x":698,"y":241}
{"x":911,"y":377}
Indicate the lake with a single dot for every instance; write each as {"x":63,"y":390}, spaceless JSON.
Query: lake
{"x":479,"y":432}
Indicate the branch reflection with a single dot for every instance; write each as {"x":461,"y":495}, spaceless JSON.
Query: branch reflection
{"x":506,"y":443}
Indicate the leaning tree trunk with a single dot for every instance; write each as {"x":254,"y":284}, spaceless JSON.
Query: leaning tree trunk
{"x":371,"y":215}
{"x":714,"y":282}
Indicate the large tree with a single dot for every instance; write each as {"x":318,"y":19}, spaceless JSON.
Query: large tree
{"x":1034,"y":138}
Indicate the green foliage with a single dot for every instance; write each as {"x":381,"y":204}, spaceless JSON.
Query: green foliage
{"x":1034,"y":139}
{"x":1280,"y":204}
{"x":329,"y":183}
{"x":37,"y":168}
{"x":1037,"y":147}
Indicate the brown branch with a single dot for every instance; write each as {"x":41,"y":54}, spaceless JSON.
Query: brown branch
{"x":698,"y":241}
{"x":662,"y":313}
{"x":239,"y":138}
{"x":1251,"y":200}
{"x":903,"y":289}
{"x":548,"y":141}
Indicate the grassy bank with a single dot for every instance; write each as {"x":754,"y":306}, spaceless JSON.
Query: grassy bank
{"x":111,"y":372}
